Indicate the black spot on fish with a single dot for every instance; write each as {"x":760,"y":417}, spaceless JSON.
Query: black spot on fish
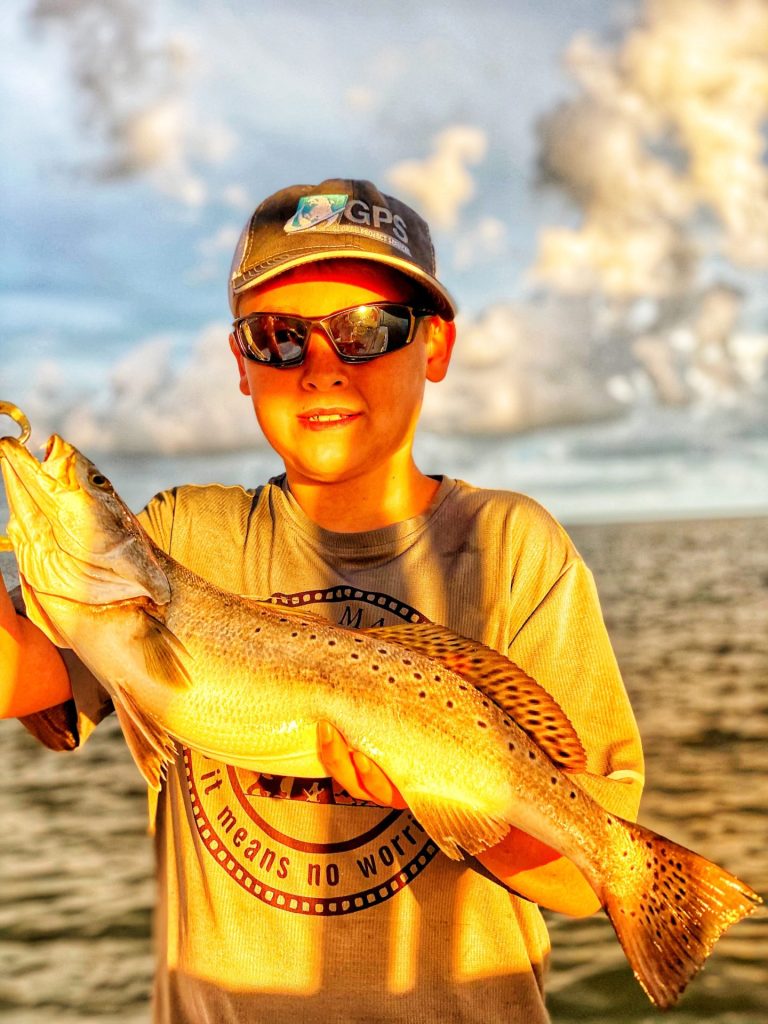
{"x":422,"y":693}
{"x":482,"y":724}
{"x":553,"y":780}
{"x":449,"y":703}
{"x":391,"y":679}
{"x":355,"y":656}
{"x":417,"y":675}
{"x":511,"y":746}
{"x":531,"y":755}
{"x":374,"y":668}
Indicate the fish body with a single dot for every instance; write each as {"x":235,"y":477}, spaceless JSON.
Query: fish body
{"x":471,"y":742}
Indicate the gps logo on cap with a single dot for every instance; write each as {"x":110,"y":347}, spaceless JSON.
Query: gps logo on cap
{"x":314,"y":210}
{"x":334,"y":213}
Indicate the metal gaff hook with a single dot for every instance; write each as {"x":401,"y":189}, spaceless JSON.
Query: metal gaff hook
{"x":9,"y":409}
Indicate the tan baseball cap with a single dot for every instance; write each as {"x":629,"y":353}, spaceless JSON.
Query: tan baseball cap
{"x":339,"y":218}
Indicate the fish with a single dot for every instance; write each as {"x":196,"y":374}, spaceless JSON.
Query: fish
{"x":473,"y":744}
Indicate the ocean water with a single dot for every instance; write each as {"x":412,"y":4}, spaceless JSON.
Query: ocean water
{"x":686,"y":603}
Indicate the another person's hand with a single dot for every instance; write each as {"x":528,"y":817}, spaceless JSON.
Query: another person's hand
{"x":354,"y":771}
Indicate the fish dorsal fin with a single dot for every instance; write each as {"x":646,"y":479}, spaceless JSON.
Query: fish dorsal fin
{"x":151,"y":748}
{"x":456,"y":827}
{"x":291,"y":611}
{"x":163,"y":652}
{"x":535,"y":711}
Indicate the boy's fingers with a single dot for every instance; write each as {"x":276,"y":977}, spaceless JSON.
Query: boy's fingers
{"x":379,"y":786}
{"x":335,"y":756}
{"x":353,"y":770}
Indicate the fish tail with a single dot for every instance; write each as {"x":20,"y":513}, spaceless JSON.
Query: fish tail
{"x":669,"y":910}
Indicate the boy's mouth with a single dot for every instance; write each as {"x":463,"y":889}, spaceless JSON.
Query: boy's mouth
{"x":318,"y":419}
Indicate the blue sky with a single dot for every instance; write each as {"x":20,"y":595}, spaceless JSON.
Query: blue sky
{"x":140,"y":135}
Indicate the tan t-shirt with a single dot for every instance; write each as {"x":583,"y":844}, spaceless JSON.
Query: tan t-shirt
{"x":284,"y":899}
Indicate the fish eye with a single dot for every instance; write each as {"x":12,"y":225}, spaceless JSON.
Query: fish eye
{"x":99,"y":481}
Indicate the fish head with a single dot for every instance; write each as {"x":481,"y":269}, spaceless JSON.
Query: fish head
{"x":73,"y":536}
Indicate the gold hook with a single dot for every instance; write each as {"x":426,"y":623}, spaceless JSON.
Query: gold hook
{"x":9,"y":409}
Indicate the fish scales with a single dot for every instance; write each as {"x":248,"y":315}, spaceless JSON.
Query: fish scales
{"x":246,"y":682}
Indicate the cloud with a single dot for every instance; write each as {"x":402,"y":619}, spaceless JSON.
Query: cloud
{"x":518,"y":367}
{"x":485,"y":240}
{"x":667,"y":132}
{"x":151,"y":400}
{"x":441,"y":183}
{"x":129,"y":81}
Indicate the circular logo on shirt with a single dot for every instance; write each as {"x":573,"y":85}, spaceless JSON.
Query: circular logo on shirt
{"x":338,"y":857}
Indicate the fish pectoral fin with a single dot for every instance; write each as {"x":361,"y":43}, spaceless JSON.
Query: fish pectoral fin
{"x":456,"y":826}
{"x":37,"y":614}
{"x":151,"y":748}
{"x":162,"y":653}
{"x":493,"y":674}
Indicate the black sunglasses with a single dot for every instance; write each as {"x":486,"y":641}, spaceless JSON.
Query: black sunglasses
{"x":357,"y":334}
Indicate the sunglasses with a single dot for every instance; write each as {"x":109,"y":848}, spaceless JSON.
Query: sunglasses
{"x":357,"y":334}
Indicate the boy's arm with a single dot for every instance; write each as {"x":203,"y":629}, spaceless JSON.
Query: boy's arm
{"x":33,"y":676}
{"x":564,"y":645}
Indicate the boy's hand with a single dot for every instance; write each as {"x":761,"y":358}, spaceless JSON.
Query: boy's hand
{"x":353,"y":770}
{"x":520,"y":861}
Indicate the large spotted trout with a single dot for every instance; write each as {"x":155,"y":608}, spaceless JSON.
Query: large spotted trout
{"x":472,"y":743}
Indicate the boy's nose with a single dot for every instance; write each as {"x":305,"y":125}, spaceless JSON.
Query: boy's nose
{"x":322,"y":369}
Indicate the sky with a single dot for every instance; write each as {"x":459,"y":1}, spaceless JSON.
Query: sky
{"x":593,"y":171}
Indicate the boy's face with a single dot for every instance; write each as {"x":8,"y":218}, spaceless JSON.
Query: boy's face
{"x":374,"y":405}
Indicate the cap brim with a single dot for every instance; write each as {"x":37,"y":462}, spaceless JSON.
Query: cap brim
{"x":444,"y":304}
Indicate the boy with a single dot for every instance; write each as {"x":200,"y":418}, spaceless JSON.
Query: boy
{"x":324,"y":898}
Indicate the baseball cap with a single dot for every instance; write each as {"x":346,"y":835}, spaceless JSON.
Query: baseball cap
{"x":339,"y":218}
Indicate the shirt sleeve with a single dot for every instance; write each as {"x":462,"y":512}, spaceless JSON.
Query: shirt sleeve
{"x":67,"y":726}
{"x":563,"y":643}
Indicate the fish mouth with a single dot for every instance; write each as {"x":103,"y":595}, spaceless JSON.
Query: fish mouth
{"x":68,"y":537}
{"x":23,"y":472}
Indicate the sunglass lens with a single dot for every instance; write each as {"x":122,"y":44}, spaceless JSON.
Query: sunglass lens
{"x":274,"y":339}
{"x":370,"y":331}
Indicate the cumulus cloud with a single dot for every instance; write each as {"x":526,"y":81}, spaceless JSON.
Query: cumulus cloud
{"x":667,"y":131}
{"x":517,"y":367}
{"x":485,"y":240}
{"x":129,"y":80}
{"x":152,"y":400}
{"x":441,"y":184}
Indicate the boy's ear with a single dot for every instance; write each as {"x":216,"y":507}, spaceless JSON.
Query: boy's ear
{"x":244,"y":387}
{"x":440,"y":338}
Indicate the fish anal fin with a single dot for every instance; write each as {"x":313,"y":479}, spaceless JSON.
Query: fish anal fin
{"x":455,"y":826}
{"x":513,"y":690}
{"x":151,"y":748}
{"x":162,"y":653}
